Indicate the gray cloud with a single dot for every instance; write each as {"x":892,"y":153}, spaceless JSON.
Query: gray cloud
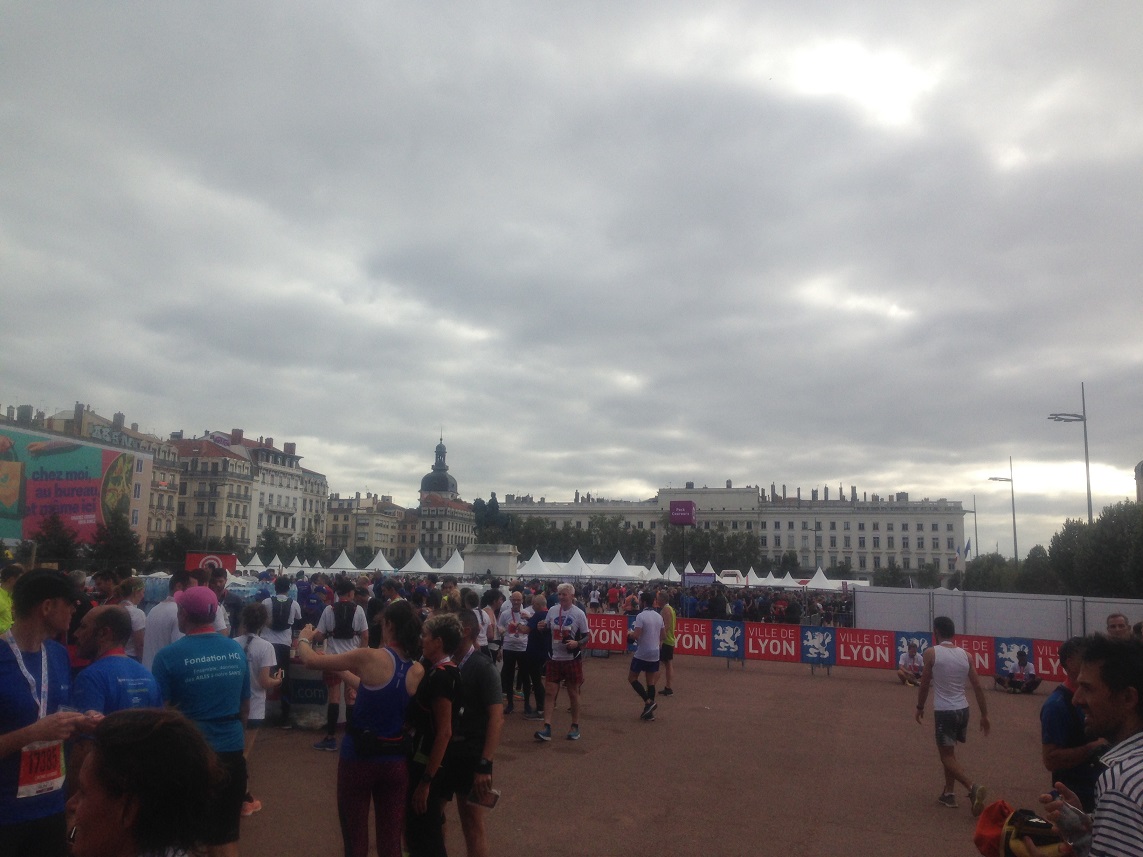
{"x":602,"y":248}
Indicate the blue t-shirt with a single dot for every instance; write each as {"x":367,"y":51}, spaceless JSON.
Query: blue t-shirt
{"x":205,"y":676}
{"x":116,"y":682}
{"x":17,"y":710}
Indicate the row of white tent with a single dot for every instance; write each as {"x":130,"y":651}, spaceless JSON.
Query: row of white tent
{"x":575,"y":568}
{"x":618,"y":569}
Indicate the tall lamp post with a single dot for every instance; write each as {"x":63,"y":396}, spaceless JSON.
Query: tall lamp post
{"x":1080,"y":418}
{"x":1012,"y":488}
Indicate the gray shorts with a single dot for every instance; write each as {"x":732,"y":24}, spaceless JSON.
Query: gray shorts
{"x":951,"y":727}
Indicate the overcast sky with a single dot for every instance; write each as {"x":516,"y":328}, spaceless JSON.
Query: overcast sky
{"x":602,"y":246}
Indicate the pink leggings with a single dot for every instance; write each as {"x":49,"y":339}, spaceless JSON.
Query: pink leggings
{"x":382,"y":781}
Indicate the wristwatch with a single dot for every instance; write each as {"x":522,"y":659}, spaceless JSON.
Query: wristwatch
{"x":426,"y":778}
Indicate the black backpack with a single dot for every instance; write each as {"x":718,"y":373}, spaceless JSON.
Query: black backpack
{"x":280,"y":614}
{"x":343,"y":613}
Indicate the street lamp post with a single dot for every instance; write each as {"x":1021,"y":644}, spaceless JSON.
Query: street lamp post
{"x":1012,"y":488}
{"x":1080,"y":418}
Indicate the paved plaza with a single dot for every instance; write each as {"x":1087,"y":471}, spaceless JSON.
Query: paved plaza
{"x":766,"y":759}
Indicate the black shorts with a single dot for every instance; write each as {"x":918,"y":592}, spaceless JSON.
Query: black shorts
{"x":666,"y":653}
{"x":225,"y":814}
{"x":457,"y":775}
{"x":951,"y":727}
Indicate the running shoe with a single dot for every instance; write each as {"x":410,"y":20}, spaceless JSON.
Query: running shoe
{"x":544,"y":734}
{"x":328,"y":744}
{"x":509,"y":708}
{"x":948,"y":800}
{"x":977,"y":794}
{"x":533,"y":715}
{"x":573,"y":733}
{"x":666,"y":691}
{"x":648,"y":710}
{"x":250,"y":807}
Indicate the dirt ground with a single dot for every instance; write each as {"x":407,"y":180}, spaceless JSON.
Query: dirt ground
{"x":765,"y":759}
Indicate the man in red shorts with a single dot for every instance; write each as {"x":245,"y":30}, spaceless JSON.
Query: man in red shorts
{"x":567,"y":624}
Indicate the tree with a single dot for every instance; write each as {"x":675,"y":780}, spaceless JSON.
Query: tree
{"x":271,"y":544}
{"x":1036,"y":574}
{"x":308,"y":548}
{"x":892,"y":575}
{"x":929,"y":576}
{"x":173,"y":547}
{"x":789,"y":562}
{"x":57,"y":543}
{"x":1110,"y":557}
{"x":988,"y":573}
{"x":1063,"y":551}
{"x":114,"y":544}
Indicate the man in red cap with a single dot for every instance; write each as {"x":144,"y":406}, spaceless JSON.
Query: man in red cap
{"x":204,"y":675}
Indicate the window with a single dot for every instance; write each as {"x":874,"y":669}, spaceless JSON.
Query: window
{"x":777,"y":525}
{"x":936,"y":543}
{"x":134,"y":517}
{"x":749,"y":525}
{"x":889,"y":542}
{"x":833,"y":541}
{"x":861,"y":562}
{"x":949,"y":544}
{"x":833,"y":525}
{"x":182,"y":509}
{"x":877,"y":562}
{"x":861,"y":526}
{"x":948,"y":528}
{"x":876,"y":526}
{"x":817,"y":541}
{"x":761,"y":525}
{"x":876,"y":542}
{"x":845,"y":525}
{"x":762,"y":541}
{"x":777,"y":541}
{"x":905,"y":527}
{"x":845,"y":542}
{"x":137,"y":492}
{"x":904,"y":542}
{"x":934,"y":527}
{"x":805,"y":541}
{"x":905,"y":563}
{"x":861,"y":542}
{"x":138,"y":465}
{"x":789,"y":525}
{"x":889,"y":527}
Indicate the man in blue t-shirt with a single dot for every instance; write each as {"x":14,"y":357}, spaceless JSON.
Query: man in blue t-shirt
{"x":205,"y":676}
{"x":113,"y":681}
{"x":1068,"y":752}
{"x":35,"y":681}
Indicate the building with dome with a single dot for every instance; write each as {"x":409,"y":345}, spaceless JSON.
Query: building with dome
{"x":445,"y":523}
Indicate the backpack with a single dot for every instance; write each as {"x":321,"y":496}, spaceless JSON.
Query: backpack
{"x":343,"y":613}
{"x":280,"y":614}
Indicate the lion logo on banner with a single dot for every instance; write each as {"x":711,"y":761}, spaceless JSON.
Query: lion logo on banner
{"x":903,"y":645}
{"x":1006,"y":656}
{"x":816,"y":644}
{"x":726,"y":638}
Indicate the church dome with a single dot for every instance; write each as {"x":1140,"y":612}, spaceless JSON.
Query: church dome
{"x":439,"y":480}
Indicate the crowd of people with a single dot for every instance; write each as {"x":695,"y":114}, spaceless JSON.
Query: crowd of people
{"x":427,"y":670}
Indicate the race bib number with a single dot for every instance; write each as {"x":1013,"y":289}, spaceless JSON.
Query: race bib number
{"x":41,"y":769}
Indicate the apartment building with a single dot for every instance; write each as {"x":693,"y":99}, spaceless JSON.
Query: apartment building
{"x":870,"y":533}
{"x":362,"y":526}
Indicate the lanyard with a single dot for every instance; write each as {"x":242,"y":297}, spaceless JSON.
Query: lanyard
{"x":41,"y":699}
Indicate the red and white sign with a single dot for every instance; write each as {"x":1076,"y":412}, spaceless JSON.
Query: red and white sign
{"x":768,"y":642}
{"x":608,"y":631}
{"x":856,"y":648}
{"x":981,"y":652}
{"x":1046,"y":660}
{"x":197,"y":559}
{"x":692,"y":637}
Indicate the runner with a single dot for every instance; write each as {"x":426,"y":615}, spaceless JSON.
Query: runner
{"x":567,"y":625}
{"x":648,"y":635}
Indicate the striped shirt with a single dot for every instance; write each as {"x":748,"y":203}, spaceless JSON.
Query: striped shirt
{"x":1118,"y":827}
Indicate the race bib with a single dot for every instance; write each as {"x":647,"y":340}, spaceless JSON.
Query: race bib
{"x":41,"y":769}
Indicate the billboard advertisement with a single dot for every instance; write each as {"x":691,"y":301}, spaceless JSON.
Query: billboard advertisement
{"x":683,"y":513}
{"x":199,"y":559}
{"x":43,"y":475}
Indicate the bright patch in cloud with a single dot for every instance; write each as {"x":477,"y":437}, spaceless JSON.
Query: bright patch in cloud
{"x":828,"y":294}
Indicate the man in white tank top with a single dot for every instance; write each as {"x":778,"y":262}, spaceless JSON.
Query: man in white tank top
{"x":947,"y":669}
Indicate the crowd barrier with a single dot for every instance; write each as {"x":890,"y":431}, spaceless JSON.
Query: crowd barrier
{"x":824,"y":646}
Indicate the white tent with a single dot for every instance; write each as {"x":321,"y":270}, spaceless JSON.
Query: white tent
{"x":652,"y":574}
{"x":671,"y":575}
{"x":575,"y":567}
{"x":788,"y":582}
{"x":530,"y":566}
{"x":316,"y":565}
{"x":275,"y":563}
{"x":770,"y":580}
{"x":690,"y":569}
{"x":379,"y":563}
{"x":618,"y":569}
{"x":254,"y":567}
{"x":455,"y":564}
{"x":343,"y":563}
{"x":417,"y":565}
{"x":820,"y":581}
{"x":752,"y":578}
{"x":710,"y":569}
